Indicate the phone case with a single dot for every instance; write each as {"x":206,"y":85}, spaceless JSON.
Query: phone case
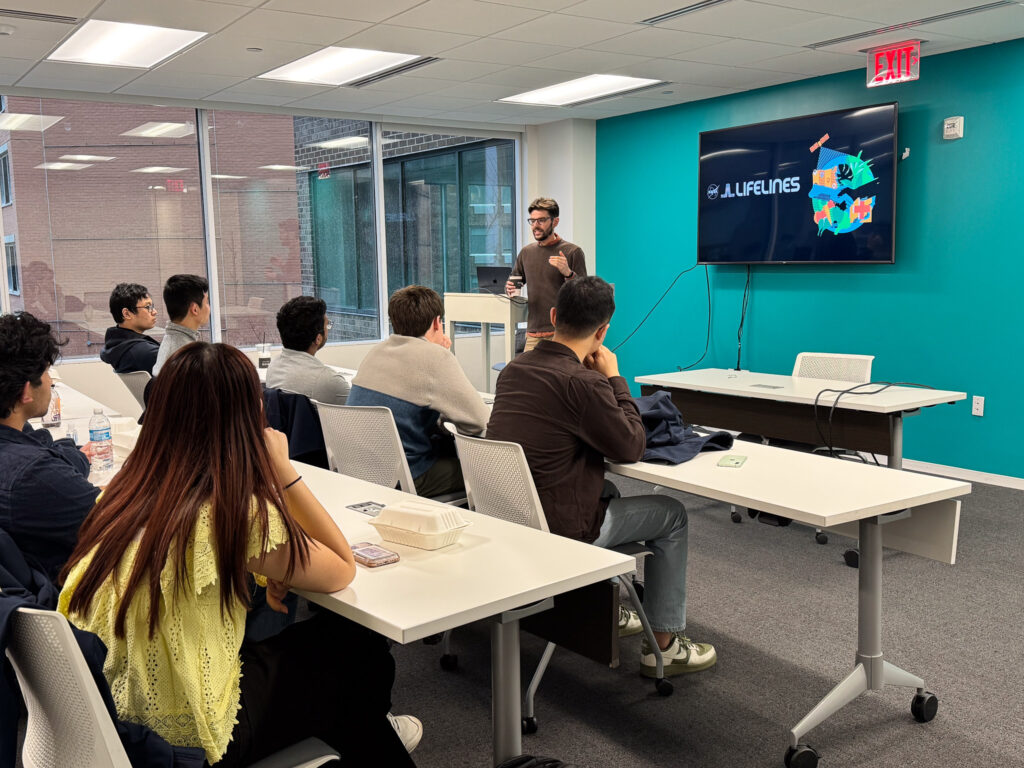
{"x":732,"y":461}
{"x":372,"y":555}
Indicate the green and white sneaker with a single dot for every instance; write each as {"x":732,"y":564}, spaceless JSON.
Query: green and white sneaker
{"x":629,"y":622}
{"x":682,"y":656}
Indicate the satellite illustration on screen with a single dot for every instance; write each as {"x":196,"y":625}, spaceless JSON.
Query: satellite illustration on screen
{"x":835,"y":209}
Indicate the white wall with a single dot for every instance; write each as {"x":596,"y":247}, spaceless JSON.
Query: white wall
{"x":560,"y":163}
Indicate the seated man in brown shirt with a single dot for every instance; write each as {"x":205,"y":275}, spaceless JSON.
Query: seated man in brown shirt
{"x":569,"y":408}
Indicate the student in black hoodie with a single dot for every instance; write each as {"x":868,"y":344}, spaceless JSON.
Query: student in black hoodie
{"x":126,"y":346}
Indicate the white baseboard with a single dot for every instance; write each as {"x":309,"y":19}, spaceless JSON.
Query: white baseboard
{"x":987,"y":478}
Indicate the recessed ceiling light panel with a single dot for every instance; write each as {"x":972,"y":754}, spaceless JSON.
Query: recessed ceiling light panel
{"x":64,"y":166}
{"x":15,"y":121}
{"x":116,"y":44}
{"x":285,"y":167}
{"x":158,"y":169}
{"x":87,"y":158}
{"x":347,"y":142}
{"x":162,"y":130}
{"x":226,"y":176}
{"x":337,"y":66}
{"x":583,"y":89}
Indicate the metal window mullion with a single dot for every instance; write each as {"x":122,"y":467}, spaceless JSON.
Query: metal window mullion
{"x":209,"y":225}
{"x":377,"y":169}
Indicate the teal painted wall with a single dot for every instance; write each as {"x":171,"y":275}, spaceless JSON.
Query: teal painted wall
{"x":948,"y":313}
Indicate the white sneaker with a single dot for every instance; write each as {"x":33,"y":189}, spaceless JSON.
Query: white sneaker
{"x":629,"y":622}
{"x":682,"y":655}
{"x":408,"y":728}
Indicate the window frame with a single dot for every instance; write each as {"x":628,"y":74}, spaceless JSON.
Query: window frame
{"x":6,"y":178}
{"x":11,"y":266}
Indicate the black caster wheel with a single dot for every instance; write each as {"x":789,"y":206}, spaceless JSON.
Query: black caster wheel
{"x":801,"y":756}
{"x":529,"y":725}
{"x":852,"y":558}
{"x":752,"y":513}
{"x":924,"y":706}
{"x":664,"y":687}
{"x":638,"y":586}
{"x":450,"y":662}
{"x":432,"y":639}
{"x":821,"y":538}
{"x":736,"y":516}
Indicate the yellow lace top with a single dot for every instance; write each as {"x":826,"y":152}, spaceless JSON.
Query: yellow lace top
{"x":184,"y":682}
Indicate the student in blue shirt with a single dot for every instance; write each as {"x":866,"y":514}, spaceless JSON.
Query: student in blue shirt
{"x":45,"y":493}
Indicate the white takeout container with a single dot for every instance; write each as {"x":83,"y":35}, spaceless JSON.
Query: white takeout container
{"x":425,"y":526}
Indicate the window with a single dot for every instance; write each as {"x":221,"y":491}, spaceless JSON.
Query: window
{"x":11,"y":263}
{"x":5,"y":178}
{"x":449,"y":208}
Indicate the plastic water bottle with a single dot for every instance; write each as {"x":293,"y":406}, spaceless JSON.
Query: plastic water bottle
{"x":102,"y":442}
{"x":52,"y":417}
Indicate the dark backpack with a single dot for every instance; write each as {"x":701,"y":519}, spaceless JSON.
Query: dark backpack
{"x":529,"y":761}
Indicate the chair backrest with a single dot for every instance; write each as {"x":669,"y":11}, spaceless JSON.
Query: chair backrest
{"x":363,"y":442}
{"x":136,"y":382}
{"x":824,"y":365}
{"x":68,"y":723}
{"x":498,"y":481}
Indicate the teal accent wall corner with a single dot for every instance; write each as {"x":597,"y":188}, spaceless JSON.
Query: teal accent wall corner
{"x":949,"y":313}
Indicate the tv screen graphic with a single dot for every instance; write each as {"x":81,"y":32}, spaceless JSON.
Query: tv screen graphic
{"x":817,"y":189}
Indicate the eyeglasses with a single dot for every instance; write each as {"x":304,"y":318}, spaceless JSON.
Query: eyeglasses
{"x":148,"y":307}
{"x":531,"y":222}
{"x":329,"y":325}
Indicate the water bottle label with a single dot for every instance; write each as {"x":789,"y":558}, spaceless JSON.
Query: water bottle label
{"x":96,"y":435}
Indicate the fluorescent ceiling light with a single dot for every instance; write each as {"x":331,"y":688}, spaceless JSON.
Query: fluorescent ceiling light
{"x":64,"y":166}
{"x":589,"y":88}
{"x":158,"y":169}
{"x":349,"y":142}
{"x":337,"y":66}
{"x":162,"y":130}
{"x":285,"y":167}
{"x":226,"y":176}
{"x":114,"y":43}
{"x":14,"y":121}
{"x":87,"y":158}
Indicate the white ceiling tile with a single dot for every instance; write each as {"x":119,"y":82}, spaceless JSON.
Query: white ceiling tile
{"x":997,"y":25}
{"x":224,"y":54}
{"x":540,"y":5}
{"x":820,"y":28}
{"x":677,"y":93}
{"x":434,"y":102}
{"x":527,"y":77}
{"x":654,"y":41}
{"x":278,"y":88}
{"x":392,"y":111}
{"x":24,"y":48}
{"x":590,"y":62}
{"x":295,"y":27}
{"x":482,"y":92}
{"x":931,"y":43}
{"x":884,"y":12}
{"x":408,"y":85}
{"x":166,"y":91}
{"x":476,"y":116}
{"x":27,"y":29}
{"x":375,"y":11}
{"x":740,"y":18}
{"x":704,"y":74}
{"x":165,"y":77}
{"x":617,"y":10}
{"x":813,"y":63}
{"x":249,"y":3}
{"x":503,"y":51}
{"x":84,"y":77}
{"x":452,"y":69}
{"x":181,"y":14}
{"x":470,"y":17}
{"x":76,"y":8}
{"x":344,"y":99}
{"x":12,"y":69}
{"x":247,"y":97}
{"x":556,"y":29}
{"x":737,"y":52}
{"x":422,"y":42}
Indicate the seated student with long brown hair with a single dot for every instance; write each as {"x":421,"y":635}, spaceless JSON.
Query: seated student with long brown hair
{"x":161,"y":573}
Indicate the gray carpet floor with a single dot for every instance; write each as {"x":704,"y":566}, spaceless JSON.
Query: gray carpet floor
{"x":781,"y":611}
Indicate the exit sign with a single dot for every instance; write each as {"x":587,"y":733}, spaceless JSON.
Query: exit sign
{"x":896,"y":63}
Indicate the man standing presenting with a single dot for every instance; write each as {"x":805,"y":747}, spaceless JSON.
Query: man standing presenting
{"x":567,"y":406}
{"x":126,"y":347}
{"x":44,"y":491}
{"x":544,"y":266}
{"x":187,"y":299}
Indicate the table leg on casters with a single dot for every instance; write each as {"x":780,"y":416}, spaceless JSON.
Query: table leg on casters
{"x":872,"y":672}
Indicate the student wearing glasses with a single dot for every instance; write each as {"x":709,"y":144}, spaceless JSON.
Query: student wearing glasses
{"x":161,"y":573}
{"x":303,"y":325}
{"x":126,"y":347}
{"x":545,"y":266}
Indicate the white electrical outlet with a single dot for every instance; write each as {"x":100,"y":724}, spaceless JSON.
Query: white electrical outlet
{"x":978,"y":406}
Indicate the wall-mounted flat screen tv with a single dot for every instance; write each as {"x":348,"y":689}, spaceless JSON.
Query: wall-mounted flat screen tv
{"x":817,"y":189}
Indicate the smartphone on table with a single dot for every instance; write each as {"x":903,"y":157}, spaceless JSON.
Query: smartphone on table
{"x":373,"y":555}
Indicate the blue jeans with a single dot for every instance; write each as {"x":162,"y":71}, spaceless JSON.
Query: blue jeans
{"x":660,"y":523}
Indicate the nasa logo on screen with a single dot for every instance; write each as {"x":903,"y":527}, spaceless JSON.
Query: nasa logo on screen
{"x":712,"y":192}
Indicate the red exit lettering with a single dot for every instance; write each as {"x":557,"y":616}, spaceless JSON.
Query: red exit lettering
{"x":894,"y":63}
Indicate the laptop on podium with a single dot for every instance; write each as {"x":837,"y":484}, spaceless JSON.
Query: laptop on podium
{"x":492,"y":279}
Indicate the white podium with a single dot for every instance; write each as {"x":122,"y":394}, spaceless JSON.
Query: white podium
{"x":487,"y":309}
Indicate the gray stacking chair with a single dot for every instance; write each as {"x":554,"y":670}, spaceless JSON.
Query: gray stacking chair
{"x":499,"y":484}
{"x":363,"y":442}
{"x":136,"y":382}
{"x":68,"y":723}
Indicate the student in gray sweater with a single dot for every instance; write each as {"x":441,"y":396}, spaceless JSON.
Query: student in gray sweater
{"x":413,"y":373}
